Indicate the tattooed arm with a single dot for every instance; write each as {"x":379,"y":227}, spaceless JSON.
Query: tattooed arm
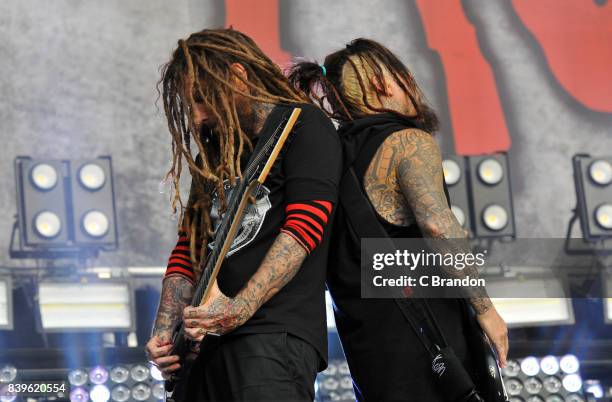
{"x":222,"y":314}
{"x":419,"y":173}
{"x":177,"y":292}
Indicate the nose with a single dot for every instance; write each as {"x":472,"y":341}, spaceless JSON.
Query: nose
{"x":199,"y":114}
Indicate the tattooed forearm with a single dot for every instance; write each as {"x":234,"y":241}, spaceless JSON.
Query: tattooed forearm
{"x":221,"y":314}
{"x":176,"y":294}
{"x":279,"y":266}
{"x":419,"y":172}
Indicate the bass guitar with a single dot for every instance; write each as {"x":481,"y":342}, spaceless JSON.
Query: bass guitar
{"x":254,"y":176}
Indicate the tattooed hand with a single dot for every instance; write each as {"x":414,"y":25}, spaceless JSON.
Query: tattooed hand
{"x":220,"y":315}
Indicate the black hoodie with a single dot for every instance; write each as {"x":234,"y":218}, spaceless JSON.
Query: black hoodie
{"x":386,"y":359}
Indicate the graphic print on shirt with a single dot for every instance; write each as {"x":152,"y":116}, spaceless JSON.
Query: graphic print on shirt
{"x":254,"y":215}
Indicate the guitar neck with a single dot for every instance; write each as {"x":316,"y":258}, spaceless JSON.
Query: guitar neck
{"x":232,"y":219}
{"x":224,"y":238}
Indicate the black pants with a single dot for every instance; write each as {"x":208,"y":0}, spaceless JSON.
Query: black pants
{"x":275,"y":367}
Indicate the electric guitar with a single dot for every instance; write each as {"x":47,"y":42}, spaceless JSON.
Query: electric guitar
{"x":488,"y":374}
{"x":254,"y":176}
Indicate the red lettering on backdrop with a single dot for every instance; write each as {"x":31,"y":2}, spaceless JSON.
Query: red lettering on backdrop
{"x":259,"y":19}
{"x":476,"y":114}
{"x":576,"y":36}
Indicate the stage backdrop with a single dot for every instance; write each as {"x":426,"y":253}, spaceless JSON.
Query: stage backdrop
{"x":528,"y":77}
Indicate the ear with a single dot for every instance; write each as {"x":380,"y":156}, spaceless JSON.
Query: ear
{"x":240,"y":75}
{"x":382,"y":86}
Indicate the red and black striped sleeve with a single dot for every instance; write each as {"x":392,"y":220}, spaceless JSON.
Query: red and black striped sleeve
{"x":305,"y":221}
{"x":180,"y":259}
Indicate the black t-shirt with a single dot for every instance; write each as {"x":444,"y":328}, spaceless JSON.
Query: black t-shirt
{"x":309,"y":169}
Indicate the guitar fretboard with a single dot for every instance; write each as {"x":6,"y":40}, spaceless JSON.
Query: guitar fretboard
{"x":221,"y":235}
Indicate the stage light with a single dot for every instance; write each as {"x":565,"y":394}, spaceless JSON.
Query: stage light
{"x":119,"y":374}
{"x":459,"y":214}
{"x":346,"y":382}
{"x":335,"y":383}
{"x":529,"y":312}
{"x":533,"y":385}
{"x":549,"y":365}
{"x":47,"y":224}
{"x":44,"y":176}
{"x":530,"y":366}
{"x":495,"y":217}
{"x":491,"y":196}
{"x":156,"y":374}
{"x":51,"y":225}
{"x":331,"y":370}
{"x":593,"y":182}
{"x":79,"y":395}
{"x":6,"y":303}
{"x":8,"y":374}
{"x":452,"y":171}
{"x":120,"y":393}
{"x":158,"y":391}
{"x":99,"y":393}
{"x":92,"y":176}
{"x":8,"y":398}
{"x":574,"y":398}
{"x":514,"y":386}
{"x":512,"y":369}
{"x":343,"y":368}
{"x":572,"y":383}
{"x":103,"y":305}
{"x":457,"y":185}
{"x":95,"y":223}
{"x":41,"y":202}
{"x":603,"y":216}
{"x":569,"y":364}
{"x":77,"y":377}
{"x":552,"y":384}
{"x":94,"y":203}
{"x":329,"y":384}
{"x":141,"y":392}
{"x":98,"y":375}
{"x":490,"y":171}
{"x":547,"y":304}
{"x":594,"y":388}
{"x":139,"y":373}
{"x":600,"y":172}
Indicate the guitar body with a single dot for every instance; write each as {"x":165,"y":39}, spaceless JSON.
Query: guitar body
{"x":488,"y":377}
{"x":177,"y":386}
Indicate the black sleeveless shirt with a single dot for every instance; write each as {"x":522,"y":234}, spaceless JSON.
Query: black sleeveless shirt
{"x":386,"y":359}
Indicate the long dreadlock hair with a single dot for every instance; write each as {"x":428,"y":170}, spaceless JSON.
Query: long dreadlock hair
{"x":199,"y":71}
{"x":344,"y":89}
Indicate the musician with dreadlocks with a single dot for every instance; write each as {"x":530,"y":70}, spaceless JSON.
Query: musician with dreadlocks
{"x":387,"y":134}
{"x":220,"y":94}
